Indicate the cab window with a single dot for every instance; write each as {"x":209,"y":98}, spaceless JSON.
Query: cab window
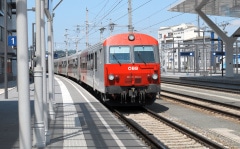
{"x":119,"y":54}
{"x":143,"y":54}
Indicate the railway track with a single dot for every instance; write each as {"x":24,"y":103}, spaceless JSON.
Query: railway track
{"x":223,"y":108}
{"x":159,"y":132}
{"x":213,"y":106}
{"x":165,"y":133}
{"x":204,"y":84}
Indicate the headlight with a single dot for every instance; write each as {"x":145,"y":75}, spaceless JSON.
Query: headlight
{"x":110,"y":77}
{"x":155,"y":76}
{"x":131,"y":37}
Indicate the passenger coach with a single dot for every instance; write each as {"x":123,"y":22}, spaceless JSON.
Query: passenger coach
{"x":123,"y":70}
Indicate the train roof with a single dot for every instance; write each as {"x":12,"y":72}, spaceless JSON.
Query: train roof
{"x":123,"y":39}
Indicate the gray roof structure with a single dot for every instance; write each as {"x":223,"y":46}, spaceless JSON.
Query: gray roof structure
{"x":227,"y":8}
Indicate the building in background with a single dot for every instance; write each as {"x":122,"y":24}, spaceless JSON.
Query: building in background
{"x":169,"y":39}
{"x":11,"y":31}
{"x":186,"y":48}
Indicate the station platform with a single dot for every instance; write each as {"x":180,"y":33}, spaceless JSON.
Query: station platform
{"x":80,"y":121}
{"x":214,"y":78}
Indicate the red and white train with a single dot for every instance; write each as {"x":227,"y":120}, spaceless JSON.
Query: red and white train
{"x":124,"y":69}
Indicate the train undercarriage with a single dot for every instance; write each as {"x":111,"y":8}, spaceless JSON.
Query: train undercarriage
{"x":130,"y":96}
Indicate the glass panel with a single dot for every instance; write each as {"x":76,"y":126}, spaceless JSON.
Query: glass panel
{"x":119,"y":54}
{"x":144,"y":54}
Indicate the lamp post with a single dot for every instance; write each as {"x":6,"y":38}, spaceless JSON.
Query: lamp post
{"x":221,"y":51}
{"x":66,"y":41}
{"x":173,"y":53}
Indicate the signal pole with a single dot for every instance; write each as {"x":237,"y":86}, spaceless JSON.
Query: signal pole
{"x":87,"y":44}
{"x":130,"y":27}
{"x":111,"y":26}
{"x":66,"y":41}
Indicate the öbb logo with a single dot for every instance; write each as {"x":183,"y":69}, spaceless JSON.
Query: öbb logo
{"x":133,"y":68}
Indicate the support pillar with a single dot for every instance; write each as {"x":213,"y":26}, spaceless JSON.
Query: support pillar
{"x":25,"y":136}
{"x":229,"y":41}
{"x":43,"y":62}
{"x":38,"y":130}
{"x":50,"y":71}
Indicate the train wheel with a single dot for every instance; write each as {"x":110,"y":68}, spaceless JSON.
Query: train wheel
{"x":143,"y":97}
{"x":104,"y":97}
{"x":140,"y":97}
{"x":124,"y":97}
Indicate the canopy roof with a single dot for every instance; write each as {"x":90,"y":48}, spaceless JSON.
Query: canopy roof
{"x":229,"y":8}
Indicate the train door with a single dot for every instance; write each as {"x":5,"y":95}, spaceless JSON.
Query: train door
{"x":78,"y":67}
{"x":94,"y":69}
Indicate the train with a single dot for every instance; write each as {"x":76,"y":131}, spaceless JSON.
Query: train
{"x":122,"y":70}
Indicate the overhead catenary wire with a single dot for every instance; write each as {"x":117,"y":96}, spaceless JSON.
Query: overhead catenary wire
{"x":94,"y":28}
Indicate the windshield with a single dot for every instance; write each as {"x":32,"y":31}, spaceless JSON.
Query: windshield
{"x":119,"y":54}
{"x":143,"y":54}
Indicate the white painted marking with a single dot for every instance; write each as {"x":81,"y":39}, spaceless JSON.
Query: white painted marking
{"x":227,"y":133}
{"x":72,"y":133}
{"x":118,"y":141}
{"x":3,"y":90}
{"x":201,"y":93}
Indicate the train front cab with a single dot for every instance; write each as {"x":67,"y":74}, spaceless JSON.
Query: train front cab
{"x":132,"y":73}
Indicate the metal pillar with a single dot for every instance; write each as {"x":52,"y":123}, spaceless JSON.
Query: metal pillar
{"x":50,"y":71}
{"x":197,"y":58}
{"x":5,"y":52}
{"x":43,"y":63}
{"x":39,"y":137}
{"x":204,"y":53}
{"x":173,"y":57}
{"x":25,"y":136}
{"x":53,"y":81}
{"x":179,"y":59}
{"x":130,"y":27}
{"x":66,"y":41}
{"x":237,"y":62}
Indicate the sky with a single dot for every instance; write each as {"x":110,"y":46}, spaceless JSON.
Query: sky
{"x":147,"y":17}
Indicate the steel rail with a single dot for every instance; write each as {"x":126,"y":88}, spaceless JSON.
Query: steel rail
{"x":205,"y":141}
{"x":220,"y":111}
{"x":140,"y":132}
{"x":203,"y":84}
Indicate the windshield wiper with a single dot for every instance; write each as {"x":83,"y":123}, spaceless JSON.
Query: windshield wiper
{"x":139,"y":55}
{"x":116,"y":59}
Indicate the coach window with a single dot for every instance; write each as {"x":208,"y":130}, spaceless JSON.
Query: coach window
{"x":119,"y":54}
{"x":91,"y":60}
{"x":144,"y":54}
{"x":95,"y":61}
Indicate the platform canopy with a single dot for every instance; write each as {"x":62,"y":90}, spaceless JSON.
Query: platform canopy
{"x":228,"y":8}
